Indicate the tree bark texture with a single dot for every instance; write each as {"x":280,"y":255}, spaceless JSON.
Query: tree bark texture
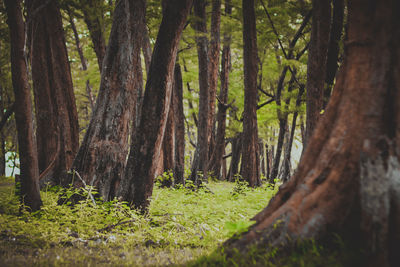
{"x":200,"y":161}
{"x":56,"y":115}
{"x":250,"y":159}
{"x":30,"y":195}
{"x":137,"y":184}
{"x":213,"y":64}
{"x":92,"y":14}
{"x":216,"y":159}
{"x":236,"y":155}
{"x":348,"y":181}
{"x":179,"y":168}
{"x":317,"y":62}
{"x":102,"y":155}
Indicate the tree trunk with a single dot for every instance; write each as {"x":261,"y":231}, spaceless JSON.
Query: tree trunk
{"x":348,"y":179}
{"x":236,"y":155}
{"x":213,"y":63}
{"x":29,"y":177}
{"x":102,"y":155}
{"x":56,"y":115}
{"x":250,"y":164}
{"x":262,"y":157}
{"x":137,"y":184}
{"x":82,"y":58}
{"x":168,"y":149}
{"x":92,"y":14}
{"x":200,"y":161}
{"x":317,"y":62}
{"x":219,"y":147}
{"x":179,"y":168}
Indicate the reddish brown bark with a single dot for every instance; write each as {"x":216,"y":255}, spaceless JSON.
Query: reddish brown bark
{"x":137,"y":184}
{"x":92,"y":13}
{"x":250,"y":160}
{"x":56,"y":115}
{"x":348,"y":179}
{"x":219,"y":147}
{"x":29,"y":177}
{"x":213,"y":63}
{"x":102,"y":155}
{"x":200,"y":161}
{"x":316,"y":66}
{"x":179,"y":122}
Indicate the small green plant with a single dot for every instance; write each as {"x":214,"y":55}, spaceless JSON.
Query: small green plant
{"x":240,"y":188}
{"x":166,"y":179}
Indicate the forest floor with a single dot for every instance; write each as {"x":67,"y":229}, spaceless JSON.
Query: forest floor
{"x":182,"y":225}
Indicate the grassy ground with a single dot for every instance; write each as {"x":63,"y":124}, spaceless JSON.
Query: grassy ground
{"x":181,"y":226}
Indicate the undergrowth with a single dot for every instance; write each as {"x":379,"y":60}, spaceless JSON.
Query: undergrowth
{"x":182,"y":224}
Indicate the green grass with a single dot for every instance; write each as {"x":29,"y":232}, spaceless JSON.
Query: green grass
{"x":181,"y":226}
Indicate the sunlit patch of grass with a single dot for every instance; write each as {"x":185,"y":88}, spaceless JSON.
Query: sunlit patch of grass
{"x":181,"y":225}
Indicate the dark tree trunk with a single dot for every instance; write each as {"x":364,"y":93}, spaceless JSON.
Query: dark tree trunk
{"x":30,"y":195}
{"x":334,"y":47}
{"x":200,"y":161}
{"x":2,"y":141}
{"x":348,"y":179}
{"x":262,"y":157}
{"x":92,"y":14}
{"x":250,"y":165}
{"x":102,"y":155}
{"x":56,"y":115}
{"x":334,"y":41}
{"x":137,"y":184}
{"x":213,"y":63}
{"x":287,"y":156}
{"x":168,"y":149}
{"x":236,"y":155}
{"x":316,"y":66}
{"x":179,"y":168}
{"x":219,"y":147}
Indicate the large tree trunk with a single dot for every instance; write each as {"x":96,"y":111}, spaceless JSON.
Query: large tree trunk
{"x":216,"y":159}
{"x":56,"y":115}
{"x":137,"y":184}
{"x":316,"y":66}
{"x":179,"y":168}
{"x":348,"y":181}
{"x":30,"y":195}
{"x":102,"y":155}
{"x":92,"y":14}
{"x":250,"y":165}
{"x":200,"y":161}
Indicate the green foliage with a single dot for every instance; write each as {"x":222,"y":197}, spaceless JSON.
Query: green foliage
{"x":181,"y":224}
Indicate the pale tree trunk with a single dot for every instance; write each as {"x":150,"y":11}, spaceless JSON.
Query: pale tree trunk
{"x":102,"y":155}
{"x":56,"y":115}
{"x":29,"y":177}
{"x":317,"y":62}
{"x":348,"y":180}
{"x":200,"y":160}
{"x":137,"y":184}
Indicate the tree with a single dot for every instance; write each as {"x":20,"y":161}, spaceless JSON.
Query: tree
{"x":102,"y":154}
{"x":92,"y":12}
{"x":250,"y":165}
{"x":56,"y":115}
{"x":30,"y":195}
{"x":200,"y":161}
{"x":216,"y":159}
{"x":347,"y":182}
{"x":137,"y":184}
{"x":317,"y":63}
